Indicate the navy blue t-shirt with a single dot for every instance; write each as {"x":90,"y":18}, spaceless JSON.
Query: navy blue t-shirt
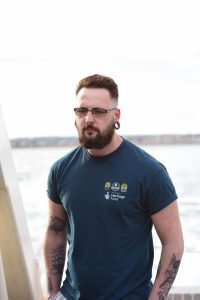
{"x":109,"y":201}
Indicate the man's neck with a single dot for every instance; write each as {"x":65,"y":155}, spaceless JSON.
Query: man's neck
{"x":112,"y":146}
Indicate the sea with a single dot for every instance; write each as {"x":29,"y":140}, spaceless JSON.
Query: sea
{"x":183,"y":164}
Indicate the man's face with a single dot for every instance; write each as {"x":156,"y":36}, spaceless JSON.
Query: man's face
{"x":95,"y":131}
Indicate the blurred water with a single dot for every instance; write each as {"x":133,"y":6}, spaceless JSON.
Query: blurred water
{"x":183,"y":164}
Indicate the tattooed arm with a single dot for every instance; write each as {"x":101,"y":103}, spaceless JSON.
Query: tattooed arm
{"x":55,"y":246}
{"x":168,"y":227}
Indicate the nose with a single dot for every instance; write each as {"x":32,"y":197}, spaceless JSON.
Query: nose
{"x":89,"y":117}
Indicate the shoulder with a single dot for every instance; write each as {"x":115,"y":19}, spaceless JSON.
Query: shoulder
{"x":141,"y":158}
{"x":58,"y":171}
{"x":61,"y":163}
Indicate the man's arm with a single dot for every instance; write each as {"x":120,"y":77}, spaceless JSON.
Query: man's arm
{"x":55,"y":246}
{"x":168,"y":227}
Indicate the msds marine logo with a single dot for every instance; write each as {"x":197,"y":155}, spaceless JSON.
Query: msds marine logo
{"x":115,"y":187}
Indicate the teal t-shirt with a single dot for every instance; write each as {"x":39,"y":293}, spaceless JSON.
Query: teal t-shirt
{"x":109,"y":201}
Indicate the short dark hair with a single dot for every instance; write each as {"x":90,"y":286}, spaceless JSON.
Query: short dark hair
{"x":99,"y":81}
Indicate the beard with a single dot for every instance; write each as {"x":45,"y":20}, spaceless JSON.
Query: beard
{"x":97,"y":142}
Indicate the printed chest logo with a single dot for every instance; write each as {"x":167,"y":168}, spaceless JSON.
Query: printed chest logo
{"x":115,"y":191}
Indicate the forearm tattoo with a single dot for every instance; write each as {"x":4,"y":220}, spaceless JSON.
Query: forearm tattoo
{"x":50,"y":286}
{"x":158,"y":270}
{"x":58,"y":259}
{"x":56,"y":224}
{"x":170,"y":275}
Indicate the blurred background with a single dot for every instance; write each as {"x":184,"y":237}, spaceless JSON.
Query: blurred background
{"x":150,"y":48}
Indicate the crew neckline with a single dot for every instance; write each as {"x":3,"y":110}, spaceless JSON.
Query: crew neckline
{"x":107,"y":155}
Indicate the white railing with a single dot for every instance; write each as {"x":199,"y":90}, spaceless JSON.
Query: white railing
{"x":18,"y":270}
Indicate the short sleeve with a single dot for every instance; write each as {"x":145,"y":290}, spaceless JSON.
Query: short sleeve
{"x":161,"y":192}
{"x":52,"y":186}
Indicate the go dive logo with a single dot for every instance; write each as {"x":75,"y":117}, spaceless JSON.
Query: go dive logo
{"x":115,"y":191}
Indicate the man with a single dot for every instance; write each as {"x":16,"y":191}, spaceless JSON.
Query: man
{"x":105,"y":196}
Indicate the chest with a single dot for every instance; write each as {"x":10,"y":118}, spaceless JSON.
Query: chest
{"x":101,"y":189}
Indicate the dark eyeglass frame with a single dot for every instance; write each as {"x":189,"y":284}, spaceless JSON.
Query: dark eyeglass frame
{"x":96,"y":111}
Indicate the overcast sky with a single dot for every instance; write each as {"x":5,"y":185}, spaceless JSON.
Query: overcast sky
{"x":151,"y":49}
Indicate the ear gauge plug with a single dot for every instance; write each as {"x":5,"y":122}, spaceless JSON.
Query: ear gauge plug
{"x":116,"y":125}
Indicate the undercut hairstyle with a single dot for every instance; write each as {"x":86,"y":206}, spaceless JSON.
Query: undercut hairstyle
{"x":101,"y":82}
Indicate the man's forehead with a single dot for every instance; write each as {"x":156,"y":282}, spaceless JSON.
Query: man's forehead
{"x":97,"y":93}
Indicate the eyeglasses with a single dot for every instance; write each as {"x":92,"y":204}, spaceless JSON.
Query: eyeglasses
{"x":82,"y":112}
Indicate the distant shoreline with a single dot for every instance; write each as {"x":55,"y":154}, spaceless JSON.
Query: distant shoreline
{"x":57,"y":141}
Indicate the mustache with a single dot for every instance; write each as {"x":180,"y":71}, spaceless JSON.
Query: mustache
{"x":90,"y":126}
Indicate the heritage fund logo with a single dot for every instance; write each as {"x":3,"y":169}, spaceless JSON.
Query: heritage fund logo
{"x":115,"y":191}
